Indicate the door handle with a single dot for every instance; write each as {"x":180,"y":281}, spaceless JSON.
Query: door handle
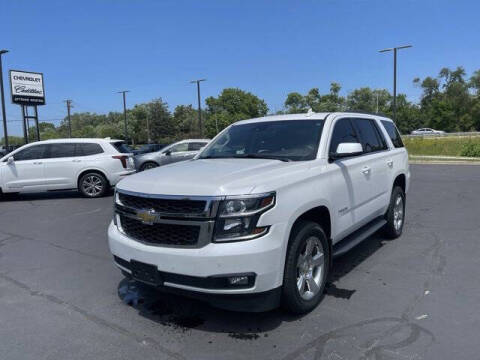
{"x":366,"y":170}
{"x":76,"y":160}
{"x":390,"y":163}
{"x":37,"y":163}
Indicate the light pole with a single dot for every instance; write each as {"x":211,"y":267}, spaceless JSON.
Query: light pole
{"x":395,"y":49}
{"x":123,"y":92}
{"x":5,"y":134}
{"x":199,"y":104}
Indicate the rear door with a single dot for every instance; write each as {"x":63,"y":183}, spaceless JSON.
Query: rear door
{"x":26,"y":173}
{"x":62,"y":166}
{"x":374,"y":169}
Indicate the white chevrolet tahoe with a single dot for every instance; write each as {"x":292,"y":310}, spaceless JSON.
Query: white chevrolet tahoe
{"x":256,"y":219}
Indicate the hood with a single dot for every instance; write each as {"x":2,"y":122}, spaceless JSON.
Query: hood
{"x":208,"y":177}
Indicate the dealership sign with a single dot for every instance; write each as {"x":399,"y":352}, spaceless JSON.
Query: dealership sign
{"x":27,"y":88}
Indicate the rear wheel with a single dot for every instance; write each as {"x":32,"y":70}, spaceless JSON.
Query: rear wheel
{"x":148,"y":165}
{"x":306,"y":268}
{"x":93,"y":185}
{"x":395,"y":214}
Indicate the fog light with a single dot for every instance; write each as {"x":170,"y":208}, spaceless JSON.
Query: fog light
{"x":238,"y":280}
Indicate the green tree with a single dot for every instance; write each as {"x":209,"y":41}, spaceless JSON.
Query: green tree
{"x":296,"y":103}
{"x":230,"y":106}
{"x":162,"y":125}
{"x":186,"y":121}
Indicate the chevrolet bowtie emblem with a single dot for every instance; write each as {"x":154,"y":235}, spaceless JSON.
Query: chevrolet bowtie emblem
{"x":147,"y":216}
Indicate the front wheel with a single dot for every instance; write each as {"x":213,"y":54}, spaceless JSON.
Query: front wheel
{"x":148,"y":165}
{"x":306,"y":268}
{"x":92,"y":185}
{"x":395,"y":214}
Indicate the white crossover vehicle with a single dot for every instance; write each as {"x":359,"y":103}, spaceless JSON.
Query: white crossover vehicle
{"x":256,"y":219}
{"x":89,"y":165}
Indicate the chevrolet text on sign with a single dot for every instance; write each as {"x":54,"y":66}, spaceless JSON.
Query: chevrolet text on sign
{"x":27,"y":88}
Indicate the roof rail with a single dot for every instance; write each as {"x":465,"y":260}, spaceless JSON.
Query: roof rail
{"x":366,"y":113}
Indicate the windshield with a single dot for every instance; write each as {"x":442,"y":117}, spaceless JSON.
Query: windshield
{"x":287,"y":140}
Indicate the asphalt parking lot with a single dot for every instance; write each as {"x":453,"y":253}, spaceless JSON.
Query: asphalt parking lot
{"x":416,"y":297}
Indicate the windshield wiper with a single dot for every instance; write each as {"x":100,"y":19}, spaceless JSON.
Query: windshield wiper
{"x":260,"y":156}
{"x":247,"y":156}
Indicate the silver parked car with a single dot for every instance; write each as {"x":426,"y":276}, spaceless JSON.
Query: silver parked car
{"x":179,"y":151}
{"x":427,"y":131}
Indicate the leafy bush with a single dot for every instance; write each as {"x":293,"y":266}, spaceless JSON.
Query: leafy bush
{"x":471,"y":150}
{"x":446,"y":146}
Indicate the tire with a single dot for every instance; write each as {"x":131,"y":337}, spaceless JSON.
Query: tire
{"x":395,"y":215}
{"x":148,"y":165}
{"x":305,"y":277}
{"x":92,"y":185}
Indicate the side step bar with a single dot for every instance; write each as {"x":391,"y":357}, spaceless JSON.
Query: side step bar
{"x":357,"y":237}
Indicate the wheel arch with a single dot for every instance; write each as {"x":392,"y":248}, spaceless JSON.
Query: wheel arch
{"x":93,"y":170}
{"x":319,"y":214}
{"x":400,"y":180}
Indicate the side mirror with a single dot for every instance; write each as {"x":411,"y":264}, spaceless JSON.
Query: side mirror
{"x":346,"y":150}
{"x":168,"y":152}
{"x":10,"y":160}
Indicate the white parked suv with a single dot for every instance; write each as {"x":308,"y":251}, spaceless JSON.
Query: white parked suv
{"x":89,"y":165}
{"x":256,"y":219}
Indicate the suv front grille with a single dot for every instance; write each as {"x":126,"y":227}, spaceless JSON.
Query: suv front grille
{"x":168,"y":206}
{"x":159,"y":233}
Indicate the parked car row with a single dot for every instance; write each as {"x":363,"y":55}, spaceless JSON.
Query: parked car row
{"x":92,"y":166}
{"x":257,"y":216}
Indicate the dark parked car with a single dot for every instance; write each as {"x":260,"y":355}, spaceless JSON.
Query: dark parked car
{"x":148,"y":148}
{"x":4,"y":150}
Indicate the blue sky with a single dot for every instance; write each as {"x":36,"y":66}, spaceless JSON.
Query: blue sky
{"x":88,"y":50}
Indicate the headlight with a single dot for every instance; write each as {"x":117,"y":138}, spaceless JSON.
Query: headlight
{"x":238,"y":217}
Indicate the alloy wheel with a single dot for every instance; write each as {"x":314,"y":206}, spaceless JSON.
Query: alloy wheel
{"x":92,"y":185}
{"x":310,"y":268}
{"x":398,"y":213}
{"x":149,"y":166}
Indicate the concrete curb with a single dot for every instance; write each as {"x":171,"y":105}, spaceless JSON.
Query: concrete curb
{"x":439,"y":162}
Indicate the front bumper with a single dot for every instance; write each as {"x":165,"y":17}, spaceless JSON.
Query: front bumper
{"x":263,"y":257}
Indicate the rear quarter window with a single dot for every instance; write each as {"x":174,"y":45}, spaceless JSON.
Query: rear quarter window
{"x":393,"y":133}
{"x":121,"y":147}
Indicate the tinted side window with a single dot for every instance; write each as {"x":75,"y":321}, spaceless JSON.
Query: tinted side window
{"x":393,"y":133}
{"x":380,"y":135}
{"x":62,"y":150}
{"x":368,"y":134}
{"x":32,"y":153}
{"x":195,"y":146}
{"x":343,"y":132}
{"x":86,"y":149}
{"x":121,"y":147}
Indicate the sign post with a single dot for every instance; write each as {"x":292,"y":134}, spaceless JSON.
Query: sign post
{"x":27,"y":89}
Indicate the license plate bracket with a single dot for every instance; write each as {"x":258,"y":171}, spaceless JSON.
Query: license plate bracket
{"x":146,"y":273}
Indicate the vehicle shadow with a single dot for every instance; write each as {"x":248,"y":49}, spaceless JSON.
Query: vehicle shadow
{"x":48,"y":195}
{"x":183,"y":313}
